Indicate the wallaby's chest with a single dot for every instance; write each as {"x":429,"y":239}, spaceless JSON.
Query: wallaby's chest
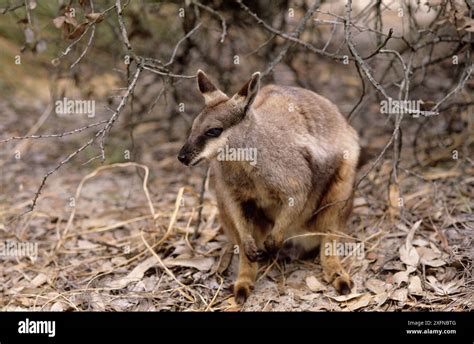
{"x":249,"y":186}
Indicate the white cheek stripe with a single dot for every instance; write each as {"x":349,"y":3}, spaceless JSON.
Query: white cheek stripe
{"x":212,"y":145}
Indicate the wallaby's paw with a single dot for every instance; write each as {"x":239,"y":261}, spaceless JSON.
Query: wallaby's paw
{"x":252,"y":252}
{"x":242,"y":291}
{"x":343,"y":284}
{"x":272,"y":244}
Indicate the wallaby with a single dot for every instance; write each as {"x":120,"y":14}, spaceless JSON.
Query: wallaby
{"x":295,"y":194}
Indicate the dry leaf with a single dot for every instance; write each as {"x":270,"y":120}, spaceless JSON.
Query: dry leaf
{"x":225,"y":259}
{"x":376,"y":286}
{"x":434,"y":2}
{"x":426,"y":253}
{"x":408,"y":253}
{"x":97,"y":302}
{"x":39,"y":280}
{"x":371,"y":256}
{"x":415,"y":286}
{"x":446,"y":288}
{"x":401,"y":277}
{"x":420,"y":242}
{"x":343,"y":298}
{"x":309,"y":297}
{"x":361,"y":206}
{"x":435,"y":263}
{"x":381,"y":298}
{"x":399,"y":295}
{"x":58,"y":306}
{"x":135,"y":275}
{"x":200,"y":263}
{"x":86,"y":245}
{"x":360,"y":303}
{"x":435,"y":249}
{"x":78,"y":31}
{"x":116,"y":261}
{"x":314,"y":284}
{"x":206,"y":235}
{"x":181,"y":248}
{"x":468,"y":24}
{"x":395,"y":265}
{"x":429,"y":257}
{"x":441,"y":174}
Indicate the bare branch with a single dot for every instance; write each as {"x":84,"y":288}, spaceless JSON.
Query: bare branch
{"x":189,"y":34}
{"x":296,"y":33}
{"x":286,"y":36}
{"x":213,"y":12}
{"x":59,"y":135}
{"x":100,"y":134}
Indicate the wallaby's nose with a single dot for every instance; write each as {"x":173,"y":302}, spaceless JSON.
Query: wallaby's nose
{"x":182,"y":158}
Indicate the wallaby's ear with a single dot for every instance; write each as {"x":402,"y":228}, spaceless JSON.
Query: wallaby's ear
{"x":249,"y":91}
{"x":210,"y":92}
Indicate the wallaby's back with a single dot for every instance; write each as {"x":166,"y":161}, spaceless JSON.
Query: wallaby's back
{"x":297,"y":111}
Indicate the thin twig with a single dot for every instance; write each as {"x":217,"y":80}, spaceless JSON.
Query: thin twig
{"x":60,"y":135}
{"x":217,"y":14}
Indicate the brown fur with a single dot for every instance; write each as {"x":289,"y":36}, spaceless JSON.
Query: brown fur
{"x":306,"y":160}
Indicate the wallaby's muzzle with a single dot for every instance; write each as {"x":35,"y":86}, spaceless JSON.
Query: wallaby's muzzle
{"x":188,"y":155}
{"x":184,"y":155}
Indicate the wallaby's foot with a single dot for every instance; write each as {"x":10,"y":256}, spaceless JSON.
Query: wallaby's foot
{"x":343,"y":284}
{"x":273,"y":243}
{"x":340,"y":280}
{"x":251,"y":250}
{"x":333,"y":270}
{"x":246,"y":278}
{"x":242,"y":290}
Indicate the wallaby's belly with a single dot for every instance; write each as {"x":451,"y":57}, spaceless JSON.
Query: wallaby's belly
{"x":301,"y":241}
{"x":262,"y":204}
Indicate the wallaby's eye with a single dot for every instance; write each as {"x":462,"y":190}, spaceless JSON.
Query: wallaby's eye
{"x":213,"y":132}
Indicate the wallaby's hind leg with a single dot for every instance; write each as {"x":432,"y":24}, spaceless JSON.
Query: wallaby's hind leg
{"x":332,"y":220}
{"x":333,"y":269}
{"x":245,"y":279}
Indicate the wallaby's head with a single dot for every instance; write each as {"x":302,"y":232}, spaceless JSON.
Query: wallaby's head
{"x":219,"y":119}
